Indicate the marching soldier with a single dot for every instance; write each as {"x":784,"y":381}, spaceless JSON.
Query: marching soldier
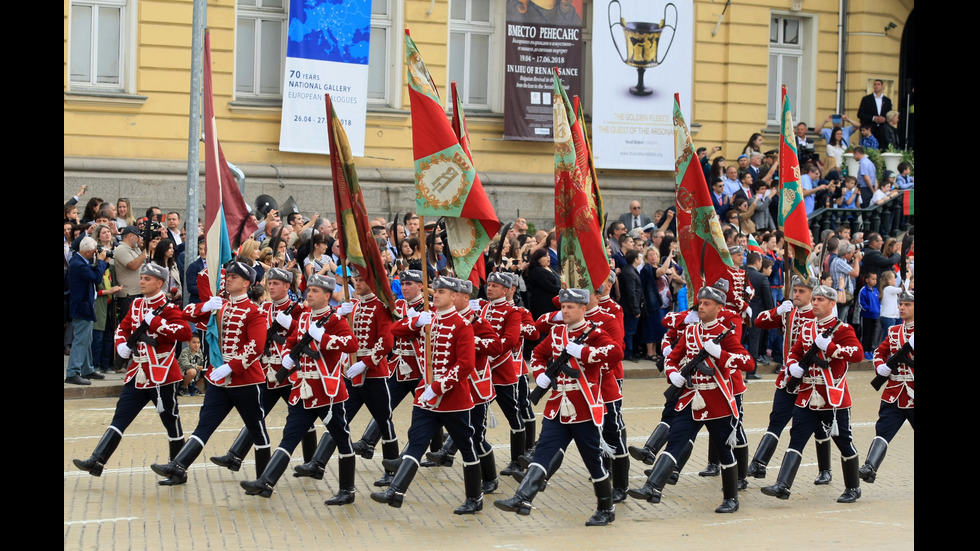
{"x":791,"y":316}
{"x":406,"y":375}
{"x":153,"y":373}
{"x":236,"y":382}
{"x":528,"y":332}
{"x":442,"y":401}
{"x":321,"y":340}
{"x":898,"y":398}
{"x":708,"y":400}
{"x":574,"y":410}
{"x":823,"y":399}
{"x":280,"y":316}
{"x":366,"y":379}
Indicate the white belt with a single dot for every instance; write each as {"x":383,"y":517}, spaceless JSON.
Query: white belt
{"x":364,"y":352}
{"x":272,"y":360}
{"x":704,"y":386}
{"x":146,"y":359}
{"x":567,"y":387}
{"x":813,"y":380}
{"x":901,"y":377}
{"x":307,"y":374}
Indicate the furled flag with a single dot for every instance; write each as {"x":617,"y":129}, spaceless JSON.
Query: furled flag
{"x":446,"y":183}
{"x":224,"y":206}
{"x":578,"y":223}
{"x":357,"y":243}
{"x":704,"y":254}
{"x":792,"y":211}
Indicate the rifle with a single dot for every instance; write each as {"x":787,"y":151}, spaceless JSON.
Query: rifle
{"x":559,"y":365}
{"x":272,"y":335}
{"x":810,"y":358}
{"x":900,"y":357}
{"x":696,"y":364}
{"x":138,"y":336}
{"x":302,"y":348}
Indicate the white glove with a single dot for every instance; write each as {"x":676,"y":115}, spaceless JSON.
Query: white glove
{"x":677,"y":379}
{"x":285,"y":321}
{"x":795,"y":370}
{"x":219,"y":373}
{"x":413,"y":313}
{"x":474,"y":304}
{"x":912,"y":341}
{"x":785,"y":307}
{"x":666,"y":350}
{"x":356,"y":370}
{"x":428,"y":394}
{"x":287,"y":361}
{"x":883,"y":370}
{"x":346,"y":308}
{"x":691,"y":317}
{"x":713,"y":348}
{"x":557,"y":316}
{"x":575,"y":350}
{"x":316,"y":332}
{"x":542,"y":380}
{"x":822,"y":342}
{"x":148,"y":318}
{"x":212,"y":304}
{"x":748,"y":312}
{"x":123,"y":350}
{"x":423,"y":319}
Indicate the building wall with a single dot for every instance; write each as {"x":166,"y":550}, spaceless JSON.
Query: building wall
{"x":127,"y":146}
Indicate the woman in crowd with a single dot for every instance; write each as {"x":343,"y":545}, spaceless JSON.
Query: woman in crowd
{"x":124,"y":214}
{"x":543,"y":283}
{"x":317,"y":261}
{"x":91,"y":209}
{"x":655,"y":281}
{"x":836,"y":147}
{"x":411,"y":253}
{"x":754,"y":145}
{"x":668,"y":251}
{"x":164,"y":256}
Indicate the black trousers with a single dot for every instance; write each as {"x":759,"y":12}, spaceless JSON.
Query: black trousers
{"x":614,"y":428}
{"x":507,"y":400}
{"x":299,"y":420}
{"x":373,"y":394}
{"x":425,"y":424}
{"x":890,"y":419}
{"x":556,"y":435}
{"x":808,"y":422}
{"x":218,"y":403}
{"x":523,"y":403}
{"x":132,"y":400}
{"x":685,"y":428}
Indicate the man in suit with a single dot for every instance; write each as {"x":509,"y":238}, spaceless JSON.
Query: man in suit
{"x":635,"y":217}
{"x":873,"y":109}
{"x":761,"y":302}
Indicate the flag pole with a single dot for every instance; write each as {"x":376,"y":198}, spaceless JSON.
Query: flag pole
{"x":425,"y":302}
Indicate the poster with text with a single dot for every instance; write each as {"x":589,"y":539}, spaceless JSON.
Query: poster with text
{"x":642,"y":53}
{"x":541,"y":35}
{"x":327,"y":53}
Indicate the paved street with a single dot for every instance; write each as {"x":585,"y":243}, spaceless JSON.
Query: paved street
{"x":125,"y":509}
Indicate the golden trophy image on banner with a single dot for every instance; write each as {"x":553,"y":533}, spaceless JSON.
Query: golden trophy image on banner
{"x":642,"y":40}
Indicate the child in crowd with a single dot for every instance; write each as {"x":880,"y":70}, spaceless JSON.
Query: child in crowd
{"x":191,"y":362}
{"x":870,"y":310}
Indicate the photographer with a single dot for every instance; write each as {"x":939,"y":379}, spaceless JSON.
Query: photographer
{"x":128,"y":258}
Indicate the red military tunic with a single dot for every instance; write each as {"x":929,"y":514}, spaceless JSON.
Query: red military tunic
{"x":241,"y":333}
{"x":317,"y":382}
{"x":715,"y":390}
{"x":506,"y":321}
{"x":453,"y":360}
{"x":791,"y":323}
{"x":576,"y":400}
{"x":610,"y":306}
{"x":487,"y":346}
{"x":826,"y":390}
{"x":154,"y":365}
{"x":901,"y":382}
{"x":610,"y":373}
{"x":273,"y":361}
{"x":529,"y":331}
{"x":372,"y":327}
{"x":406,"y":366}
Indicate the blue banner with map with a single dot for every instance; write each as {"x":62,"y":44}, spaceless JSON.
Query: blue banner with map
{"x":327,"y":53}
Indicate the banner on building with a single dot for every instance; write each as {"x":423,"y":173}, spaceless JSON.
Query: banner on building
{"x":539,"y":40}
{"x":646,"y":57}
{"x":327,"y":53}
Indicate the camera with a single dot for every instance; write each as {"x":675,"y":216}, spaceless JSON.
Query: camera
{"x":99,"y":250}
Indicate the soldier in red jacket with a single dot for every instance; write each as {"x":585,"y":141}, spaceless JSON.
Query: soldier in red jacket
{"x":153,"y":373}
{"x":574,"y":410}
{"x":823,"y":399}
{"x":444,"y":400}
{"x":241,"y":336}
{"x":367,"y":377}
{"x":279,"y":313}
{"x":316,"y":389}
{"x":707,"y":400}
{"x":790,"y":316}
{"x":898,"y":398}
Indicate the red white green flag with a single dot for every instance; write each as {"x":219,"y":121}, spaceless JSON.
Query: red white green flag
{"x":908,"y":205}
{"x":578,"y":206}
{"x":446,"y":182}
{"x":792,"y":211}
{"x":754,"y":245}
{"x":357,"y":243}
{"x":704,"y":254}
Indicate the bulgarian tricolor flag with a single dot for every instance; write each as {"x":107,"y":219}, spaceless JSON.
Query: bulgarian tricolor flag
{"x":792,"y":211}
{"x":224,"y":206}
{"x":578,"y":221}
{"x":704,"y":254}
{"x":908,"y":203}
{"x":357,"y":243}
{"x":447,"y":184}
{"x":754,"y":245}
